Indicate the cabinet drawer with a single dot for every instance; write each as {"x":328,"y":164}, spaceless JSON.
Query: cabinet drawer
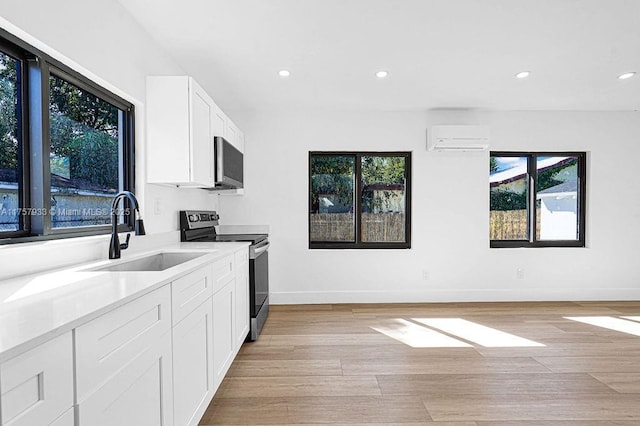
{"x":108,"y":343}
{"x":223,"y":272}
{"x":37,"y":386}
{"x":188,"y":292}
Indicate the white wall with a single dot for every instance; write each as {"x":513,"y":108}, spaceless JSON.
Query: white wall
{"x":450,"y":209}
{"x":100,"y":40}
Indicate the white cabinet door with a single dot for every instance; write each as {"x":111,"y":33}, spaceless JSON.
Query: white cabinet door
{"x":232,"y":133}
{"x":202,"y":152}
{"x":123,"y":364}
{"x":223,"y":337}
{"x":218,"y":122}
{"x":37,"y":386}
{"x":242,"y":297}
{"x":168,"y":129}
{"x":67,"y":419}
{"x":179,"y":132}
{"x":193,"y":383}
{"x":139,"y":394}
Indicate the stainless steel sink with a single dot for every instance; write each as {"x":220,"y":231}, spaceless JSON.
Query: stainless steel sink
{"x":154,"y":262}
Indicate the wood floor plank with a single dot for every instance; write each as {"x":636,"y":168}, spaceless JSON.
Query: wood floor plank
{"x":533,"y":384}
{"x":569,"y":349}
{"x":279,"y":368}
{"x":241,"y":387}
{"x":402,"y":409}
{"x":333,"y":339}
{"x":435,"y":365}
{"x":428,"y":423}
{"x":622,"y":382}
{"x":562,"y":423}
{"x":601,"y":407}
{"x":586,"y":364}
{"x":246,"y":411}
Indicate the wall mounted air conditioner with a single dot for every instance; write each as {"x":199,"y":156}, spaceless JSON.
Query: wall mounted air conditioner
{"x":458,"y":138}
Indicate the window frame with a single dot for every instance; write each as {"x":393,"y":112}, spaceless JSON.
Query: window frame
{"x":35,"y":169}
{"x":19,"y":54}
{"x":358,"y":243}
{"x":532,"y":187}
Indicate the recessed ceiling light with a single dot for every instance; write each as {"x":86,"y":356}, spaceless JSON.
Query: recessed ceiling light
{"x":284,"y":73}
{"x":523,"y":74}
{"x":626,"y":75}
{"x":382,"y":74}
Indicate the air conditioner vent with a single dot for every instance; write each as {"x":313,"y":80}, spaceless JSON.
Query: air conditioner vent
{"x":458,"y":138}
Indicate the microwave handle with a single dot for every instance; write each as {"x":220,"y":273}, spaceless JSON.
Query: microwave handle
{"x":219,"y":169}
{"x":212,"y":165}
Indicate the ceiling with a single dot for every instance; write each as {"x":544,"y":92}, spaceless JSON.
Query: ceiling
{"x":439,"y":53}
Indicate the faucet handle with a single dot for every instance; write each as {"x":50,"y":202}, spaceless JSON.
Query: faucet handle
{"x":125,"y":245}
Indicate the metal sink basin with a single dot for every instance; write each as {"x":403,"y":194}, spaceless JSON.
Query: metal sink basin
{"x":154,"y":262}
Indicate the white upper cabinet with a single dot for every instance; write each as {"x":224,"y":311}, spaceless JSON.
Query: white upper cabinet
{"x":179,"y":132}
{"x":182,"y":121}
{"x":219,"y":122}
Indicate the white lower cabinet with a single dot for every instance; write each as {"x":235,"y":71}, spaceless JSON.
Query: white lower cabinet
{"x":123,"y":364}
{"x":67,"y":419}
{"x":193,"y":382}
{"x":137,"y":395}
{"x":36,"y":387}
{"x":223,"y":337}
{"x":157,"y":360}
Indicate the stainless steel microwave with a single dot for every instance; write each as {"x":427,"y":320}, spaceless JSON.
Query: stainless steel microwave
{"x":229,"y":164}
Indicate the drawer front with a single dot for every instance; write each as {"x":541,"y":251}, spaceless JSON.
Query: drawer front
{"x":188,"y":292}
{"x":37,"y":386}
{"x":242,"y":258}
{"x":223,"y":272}
{"x":108,"y":343}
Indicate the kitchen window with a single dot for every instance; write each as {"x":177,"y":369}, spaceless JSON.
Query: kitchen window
{"x":537,"y":199}
{"x":67,"y":148}
{"x":359,"y":200}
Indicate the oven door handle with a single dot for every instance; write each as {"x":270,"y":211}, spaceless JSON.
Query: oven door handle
{"x":258,"y":250}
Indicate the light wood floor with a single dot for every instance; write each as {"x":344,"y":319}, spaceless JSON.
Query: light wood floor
{"x":326,"y":364}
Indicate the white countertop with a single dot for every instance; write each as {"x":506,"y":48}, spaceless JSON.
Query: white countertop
{"x":35,"y":308}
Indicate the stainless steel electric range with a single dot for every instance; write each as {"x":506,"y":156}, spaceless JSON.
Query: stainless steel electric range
{"x":199,"y":226}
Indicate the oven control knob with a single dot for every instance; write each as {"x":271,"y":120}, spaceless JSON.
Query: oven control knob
{"x":193,"y":218}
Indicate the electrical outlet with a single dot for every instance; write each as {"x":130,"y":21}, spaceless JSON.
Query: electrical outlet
{"x":157,"y":206}
{"x":520,"y":273}
{"x":425,"y":274}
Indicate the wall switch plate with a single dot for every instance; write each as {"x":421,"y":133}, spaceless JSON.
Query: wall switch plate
{"x":425,"y":274}
{"x":520,"y":273}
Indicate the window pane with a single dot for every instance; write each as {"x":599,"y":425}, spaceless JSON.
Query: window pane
{"x":85,"y":155}
{"x":508,"y":198}
{"x":557,"y":198}
{"x":332,"y":198}
{"x":383,"y":199}
{"x":10,"y":135}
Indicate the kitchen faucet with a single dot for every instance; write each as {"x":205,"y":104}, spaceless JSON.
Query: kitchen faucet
{"x":114,"y":245}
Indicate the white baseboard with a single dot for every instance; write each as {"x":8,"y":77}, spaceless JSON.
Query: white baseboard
{"x":441,"y":296}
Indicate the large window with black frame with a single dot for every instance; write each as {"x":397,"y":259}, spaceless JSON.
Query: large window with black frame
{"x":537,"y":199}
{"x":359,"y":200}
{"x":60,"y":170}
